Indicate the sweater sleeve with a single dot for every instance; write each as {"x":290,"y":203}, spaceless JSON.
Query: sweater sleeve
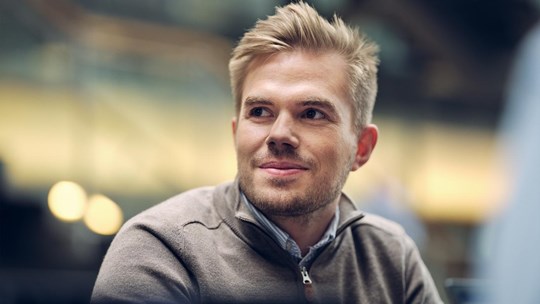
{"x":420,"y":288}
{"x":142,"y":265}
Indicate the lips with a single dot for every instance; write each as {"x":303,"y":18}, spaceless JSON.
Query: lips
{"x":282,"y":168}
{"x":281,"y":165}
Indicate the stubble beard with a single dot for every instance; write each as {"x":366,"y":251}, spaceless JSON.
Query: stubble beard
{"x":276,"y":200}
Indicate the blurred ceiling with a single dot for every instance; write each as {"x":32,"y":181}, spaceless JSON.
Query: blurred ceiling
{"x":443,"y":60}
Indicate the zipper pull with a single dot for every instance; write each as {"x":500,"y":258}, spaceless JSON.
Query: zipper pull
{"x":308,"y":285}
{"x":305,"y":276}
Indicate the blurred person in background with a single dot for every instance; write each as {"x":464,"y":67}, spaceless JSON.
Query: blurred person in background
{"x":513,"y":273}
{"x":283,"y":231}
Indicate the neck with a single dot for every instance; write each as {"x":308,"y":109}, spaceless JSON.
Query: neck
{"x":307,"y":230}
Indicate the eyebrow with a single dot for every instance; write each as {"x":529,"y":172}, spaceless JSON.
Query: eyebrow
{"x":322,"y":103}
{"x":254,"y":100}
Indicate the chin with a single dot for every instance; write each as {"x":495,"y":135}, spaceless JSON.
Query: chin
{"x":279,"y":202}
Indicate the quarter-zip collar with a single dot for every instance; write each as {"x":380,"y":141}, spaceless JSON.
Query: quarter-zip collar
{"x":236,"y":215}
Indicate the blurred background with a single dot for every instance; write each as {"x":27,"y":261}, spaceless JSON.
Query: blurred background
{"x":110,"y":107}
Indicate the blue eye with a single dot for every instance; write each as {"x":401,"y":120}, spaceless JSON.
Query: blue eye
{"x":313,"y":114}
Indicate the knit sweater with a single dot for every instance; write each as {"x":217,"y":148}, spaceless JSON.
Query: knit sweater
{"x":204,"y":246}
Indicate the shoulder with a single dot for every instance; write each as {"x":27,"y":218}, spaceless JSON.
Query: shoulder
{"x":366,"y":222}
{"x":383,"y":233}
{"x":196,"y":205}
{"x":379,"y":224}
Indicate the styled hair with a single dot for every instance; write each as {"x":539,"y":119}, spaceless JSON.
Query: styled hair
{"x":298,"y":26}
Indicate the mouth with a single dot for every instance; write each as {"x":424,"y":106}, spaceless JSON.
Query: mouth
{"x":283,"y":168}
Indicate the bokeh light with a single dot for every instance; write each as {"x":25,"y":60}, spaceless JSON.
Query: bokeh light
{"x":67,"y":201}
{"x":103,"y":216}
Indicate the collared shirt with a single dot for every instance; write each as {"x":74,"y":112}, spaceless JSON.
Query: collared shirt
{"x":286,"y":241}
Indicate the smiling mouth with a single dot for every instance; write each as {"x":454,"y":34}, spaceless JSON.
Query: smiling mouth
{"x":281,"y":168}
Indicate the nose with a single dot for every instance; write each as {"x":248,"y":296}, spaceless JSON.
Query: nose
{"x":282,"y":134}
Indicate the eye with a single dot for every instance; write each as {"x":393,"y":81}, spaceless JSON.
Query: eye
{"x":259,"y":112}
{"x":313,"y":114}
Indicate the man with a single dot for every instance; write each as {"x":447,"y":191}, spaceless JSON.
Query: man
{"x":282,"y":232}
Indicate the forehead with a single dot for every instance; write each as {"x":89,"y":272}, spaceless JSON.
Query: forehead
{"x":298,"y":72}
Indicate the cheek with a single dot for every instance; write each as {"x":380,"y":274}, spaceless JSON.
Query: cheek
{"x":344,"y":154}
{"x":248,"y":139}
{"x":333,"y":143}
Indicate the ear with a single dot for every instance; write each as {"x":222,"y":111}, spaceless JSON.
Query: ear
{"x":366,"y":143}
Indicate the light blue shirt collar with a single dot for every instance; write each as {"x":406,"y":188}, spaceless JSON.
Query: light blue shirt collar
{"x":284,"y":239}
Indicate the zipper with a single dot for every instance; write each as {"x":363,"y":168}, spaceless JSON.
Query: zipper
{"x":309,"y":291}
{"x":308,"y":285}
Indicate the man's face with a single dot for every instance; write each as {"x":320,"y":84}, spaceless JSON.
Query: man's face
{"x":294,"y":134}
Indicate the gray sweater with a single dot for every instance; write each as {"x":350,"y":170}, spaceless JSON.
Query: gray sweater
{"x":203,"y":246}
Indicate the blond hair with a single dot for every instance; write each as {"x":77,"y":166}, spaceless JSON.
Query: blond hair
{"x":299,"y":26}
